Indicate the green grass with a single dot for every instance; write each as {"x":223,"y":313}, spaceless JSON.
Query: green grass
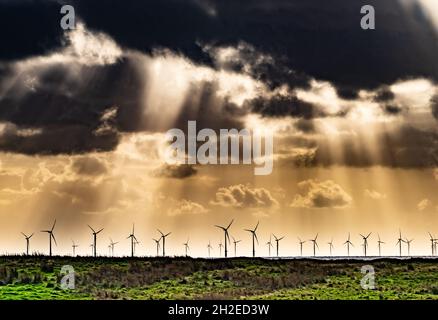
{"x":38,"y":278}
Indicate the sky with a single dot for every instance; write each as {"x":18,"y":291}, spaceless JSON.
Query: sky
{"x":84,"y":115}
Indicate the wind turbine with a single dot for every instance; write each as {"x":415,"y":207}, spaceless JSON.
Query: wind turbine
{"x":136,"y":242}
{"x":235,"y":245}
{"x":95,"y":239}
{"x":277,"y":240}
{"x":209,"y":247}
{"x":186,"y":246}
{"x":27,"y":241}
{"x":74,"y":246}
{"x":254,"y":237}
{"x":365,"y":243}
{"x":51,"y":236}
{"x":269,"y":244}
{"x":220,"y":248}
{"x":92,"y":249}
{"x":157,"y":242}
{"x":227,"y":236}
{"x":348,"y":243}
{"x":399,"y":242}
{"x":433,"y":244}
{"x":133,"y":240}
{"x":379,"y":243}
{"x":301,"y":245}
{"x":163,"y":236}
{"x":315,"y":244}
{"x":408,"y":242}
{"x":112,"y":244}
{"x":331,"y":246}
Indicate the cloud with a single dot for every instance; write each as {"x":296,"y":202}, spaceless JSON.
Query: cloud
{"x":89,"y":166}
{"x":244,"y":196}
{"x":435,"y":173}
{"x":424,"y":204}
{"x":186,"y":207}
{"x":175,"y":171}
{"x":314,"y":194}
{"x":434,"y":106}
{"x":375,"y":195}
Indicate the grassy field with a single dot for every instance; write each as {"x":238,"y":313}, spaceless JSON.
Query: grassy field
{"x":241,"y":278}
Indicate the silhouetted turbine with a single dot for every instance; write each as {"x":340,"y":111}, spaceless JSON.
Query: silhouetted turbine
{"x":277,"y":240}
{"x":157,"y":242}
{"x":254,"y":237}
{"x":226,"y":235}
{"x":112,"y":244}
{"x":27,"y":242}
{"x":365,"y":243}
{"x":133,"y":240}
{"x":95,"y":239}
{"x":315,"y":244}
{"x":220,"y":248}
{"x":379,"y":243}
{"x":186,"y":245}
{"x":301,"y":245}
{"x":51,"y":236}
{"x":235,"y":245}
{"x":209,"y":247}
{"x":433,"y":243}
{"x":348,"y":243}
{"x":269,"y":244}
{"x":163,"y":236}
{"x":408,"y":242}
{"x":331,"y":246}
{"x":399,"y":242}
{"x":74,"y":246}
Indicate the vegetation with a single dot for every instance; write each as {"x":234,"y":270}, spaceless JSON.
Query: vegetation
{"x":242,"y":278}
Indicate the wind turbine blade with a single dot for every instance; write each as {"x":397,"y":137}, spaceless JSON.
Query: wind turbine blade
{"x":24,"y":235}
{"x":53,"y":236}
{"x":168,"y":234}
{"x":369,"y":234}
{"x":99,"y":231}
{"x":230,"y":224}
{"x":316,"y":236}
{"x":255,"y":235}
{"x":31,"y":235}
{"x":162,"y":234}
{"x":53,"y":227}
{"x":281,"y":238}
{"x":258,"y":222}
{"x":91,"y":229}
{"x":247,"y":230}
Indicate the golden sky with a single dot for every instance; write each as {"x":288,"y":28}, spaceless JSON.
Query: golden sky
{"x":367,"y":163}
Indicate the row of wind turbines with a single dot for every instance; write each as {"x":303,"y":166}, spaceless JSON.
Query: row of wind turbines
{"x":160,"y":242}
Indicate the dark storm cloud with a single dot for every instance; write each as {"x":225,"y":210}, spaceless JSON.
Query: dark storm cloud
{"x":318,"y":38}
{"x":28,"y":28}
{"x":434,"y":106}
{"x":175,"y":171}
{"x":384,"y":94}
{"x":280,"y":106}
